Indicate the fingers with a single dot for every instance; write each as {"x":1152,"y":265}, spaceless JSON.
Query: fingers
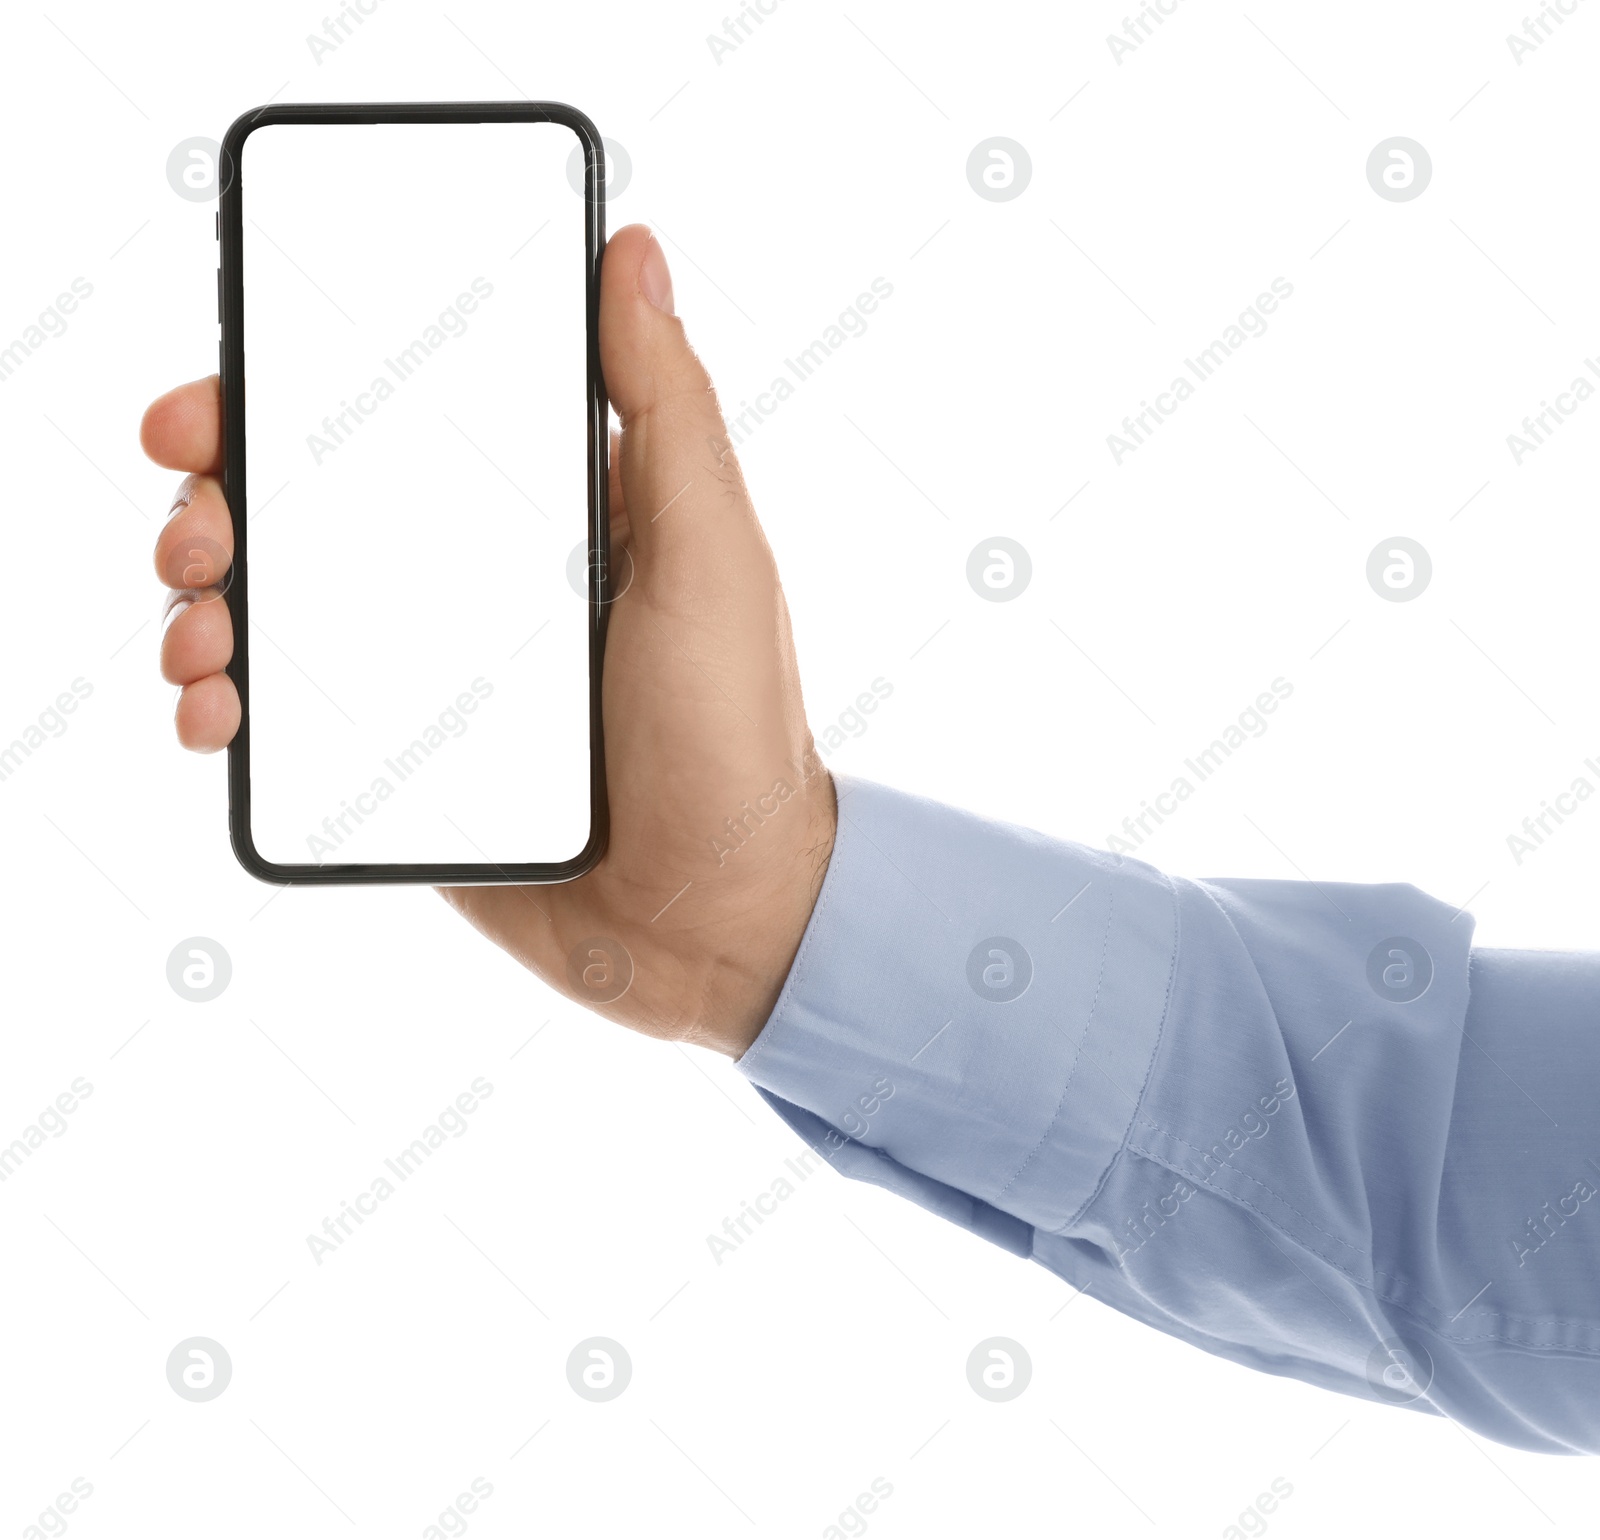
{"x":208,"y":713}
{"x":686,"y":500}
{"x":198,"y":640}
{"x":618,"y":503}
{"x":193,"y":553}
{"x":195,"y":547}
{"x":182,"y":430}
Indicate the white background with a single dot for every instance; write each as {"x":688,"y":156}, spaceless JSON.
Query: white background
{"x":828,"y":149}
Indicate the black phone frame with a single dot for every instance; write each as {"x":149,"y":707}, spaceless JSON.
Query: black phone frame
{"x":230,"y":293}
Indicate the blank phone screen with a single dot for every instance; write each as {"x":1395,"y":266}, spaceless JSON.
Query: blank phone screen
{"x":417,"y":492}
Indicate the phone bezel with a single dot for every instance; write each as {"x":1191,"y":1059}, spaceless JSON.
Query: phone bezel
{"x":236,"y":485}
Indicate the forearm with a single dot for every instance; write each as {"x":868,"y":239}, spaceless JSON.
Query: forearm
{"x":1212,"y":1103}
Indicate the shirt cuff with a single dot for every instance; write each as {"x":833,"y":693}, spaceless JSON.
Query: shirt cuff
{"x":973,"y":1001}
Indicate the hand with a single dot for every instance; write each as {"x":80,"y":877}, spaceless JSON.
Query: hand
{"x":702,"y":705}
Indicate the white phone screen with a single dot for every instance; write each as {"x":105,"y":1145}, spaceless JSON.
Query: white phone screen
{"x":417,"y":499}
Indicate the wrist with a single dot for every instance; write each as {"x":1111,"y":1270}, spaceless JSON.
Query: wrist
{"x":747,"y":976}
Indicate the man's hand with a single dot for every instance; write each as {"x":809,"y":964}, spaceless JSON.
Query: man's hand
{"x":703,"y":714}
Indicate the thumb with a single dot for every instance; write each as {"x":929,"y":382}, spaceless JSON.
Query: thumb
{"x":684,"y":491}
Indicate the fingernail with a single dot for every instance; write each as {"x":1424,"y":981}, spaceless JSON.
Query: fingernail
{"x":184,"y":497}
{"x":655,"y":279}
{"x":174,"y":609}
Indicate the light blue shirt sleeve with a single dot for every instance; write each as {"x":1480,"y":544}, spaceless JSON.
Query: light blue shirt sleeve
{"x":1304,"y":1126}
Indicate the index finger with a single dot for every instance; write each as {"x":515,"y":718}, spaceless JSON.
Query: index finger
{"x":182,"y":430}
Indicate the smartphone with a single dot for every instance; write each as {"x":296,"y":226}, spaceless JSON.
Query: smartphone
{"x":414,"y":432}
